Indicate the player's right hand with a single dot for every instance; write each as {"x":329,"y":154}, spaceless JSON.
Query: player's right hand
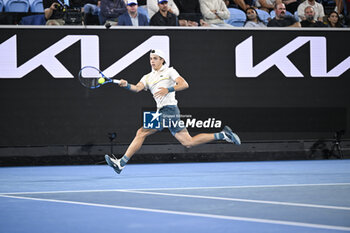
{"x":123,"y":83}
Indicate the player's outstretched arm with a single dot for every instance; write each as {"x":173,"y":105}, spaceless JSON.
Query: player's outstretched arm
{"x":135,"y":88}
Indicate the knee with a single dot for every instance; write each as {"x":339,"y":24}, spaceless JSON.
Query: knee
{"x":141,"y":133}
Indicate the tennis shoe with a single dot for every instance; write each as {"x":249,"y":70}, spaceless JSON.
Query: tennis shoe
{"x":230,"y":136}
{"x":114,"y":163}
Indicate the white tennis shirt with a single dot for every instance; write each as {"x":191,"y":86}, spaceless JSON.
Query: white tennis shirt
{"x":164,"y":77}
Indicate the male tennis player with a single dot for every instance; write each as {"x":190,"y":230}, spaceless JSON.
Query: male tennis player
{"x":163,"y":82}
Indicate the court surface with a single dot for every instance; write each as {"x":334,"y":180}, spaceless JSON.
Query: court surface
{"x":288,"y":196}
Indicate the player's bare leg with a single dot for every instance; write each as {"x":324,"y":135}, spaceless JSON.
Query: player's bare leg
{"x":182,"y":136}
{"x":140,"y":137}
{"x":118,"y":164}
{"x":186,"y":140}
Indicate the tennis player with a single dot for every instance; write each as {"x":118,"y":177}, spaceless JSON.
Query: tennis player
{"x":163,"y":82}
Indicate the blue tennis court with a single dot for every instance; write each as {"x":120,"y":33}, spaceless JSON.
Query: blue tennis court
{"x":286,"y":196}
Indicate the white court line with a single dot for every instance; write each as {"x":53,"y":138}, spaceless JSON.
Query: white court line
{"x":150,"y":192}
{"x":180,"y":188}
{"x":241,"y":200}
{"x":235,"y":218}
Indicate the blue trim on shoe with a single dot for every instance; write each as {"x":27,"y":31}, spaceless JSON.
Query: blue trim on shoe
{"x":108,"y":160}
{"x":231,"y":135}
{"x":115,"y":166}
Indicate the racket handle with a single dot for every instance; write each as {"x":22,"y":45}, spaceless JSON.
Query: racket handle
{"x":117,"y":81}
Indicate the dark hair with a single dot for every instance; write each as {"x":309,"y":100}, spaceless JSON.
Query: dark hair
{"x":338,"y":24}
{"x":257,"y":15}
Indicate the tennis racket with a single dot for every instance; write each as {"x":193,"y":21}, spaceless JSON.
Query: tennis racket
{"x":92,"y":78}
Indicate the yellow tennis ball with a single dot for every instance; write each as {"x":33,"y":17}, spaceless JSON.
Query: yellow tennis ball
{"x":101,"y":80}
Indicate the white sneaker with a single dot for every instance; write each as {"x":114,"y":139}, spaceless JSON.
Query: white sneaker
{"x":114,"y":163}
{"x":230,"y":136}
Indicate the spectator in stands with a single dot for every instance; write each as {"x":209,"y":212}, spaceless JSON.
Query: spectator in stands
{"x":91,"y":12}
{"x":281,"y":19}
{"x":318,"y":8}
{"x":152,"y":7}
{"x":56,"y":12}
{"x":343,"y":9}
{"x":309,"y":18}
{"x":111,"y":10}
{"x":267,"y":5}
{"x":164,"y":17}
{"x":215,"y":12}
{"x":291,"y":5}
{"x":253,"y":19}
{"x":190,"y":13}
{"x":243,"y":4}
{"x":132,"y":17}
{"x":53,"y":11}
{"x":333,"y":20}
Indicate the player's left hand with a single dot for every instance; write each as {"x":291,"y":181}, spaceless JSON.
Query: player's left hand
{"x":162,"y":92}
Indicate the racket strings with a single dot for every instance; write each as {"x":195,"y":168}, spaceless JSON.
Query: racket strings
{"x":89,"y":82}
{"x":89,"y":76}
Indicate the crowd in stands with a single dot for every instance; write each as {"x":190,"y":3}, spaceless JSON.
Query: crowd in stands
{"x":191,"y":13}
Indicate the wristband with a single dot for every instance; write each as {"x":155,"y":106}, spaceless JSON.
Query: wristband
{"x":128,"y":86}
{"x":171,"y":89}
